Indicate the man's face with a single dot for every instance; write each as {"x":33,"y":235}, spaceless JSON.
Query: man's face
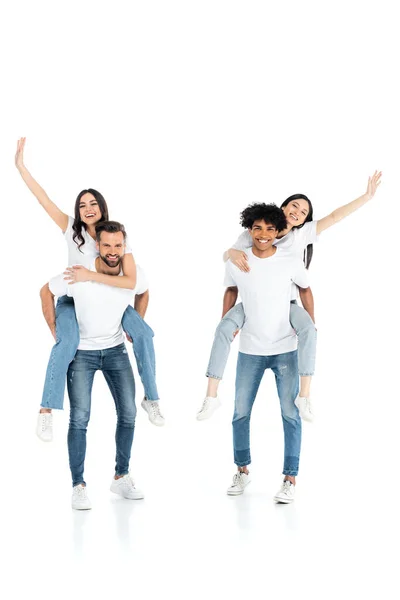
{"x":263,"y":235}
{"x":111,"y":248}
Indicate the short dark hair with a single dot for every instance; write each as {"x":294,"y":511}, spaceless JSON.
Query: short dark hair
{"x":109,"y":227}
{"x":270,"y":213}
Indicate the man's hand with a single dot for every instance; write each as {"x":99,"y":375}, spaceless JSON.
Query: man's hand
{"x":77,"y":274}
{"x":235,"y":333}
{"x":128,"y":337}
{"x":239,"y":258}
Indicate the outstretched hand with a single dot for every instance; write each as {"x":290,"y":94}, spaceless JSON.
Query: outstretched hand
{"x":19,"y":155}
{"x":77,"y":274}
{"x":373,"y":184}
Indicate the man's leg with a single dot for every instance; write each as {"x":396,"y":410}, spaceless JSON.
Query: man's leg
{"x":223,"y":338}
{"x":285,"y":368}
{"x":119,"y":376}
{"x":80,"y":381}
{"x":249,"y":372}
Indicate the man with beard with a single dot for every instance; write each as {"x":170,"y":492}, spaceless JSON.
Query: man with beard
{"x":99,"y":310}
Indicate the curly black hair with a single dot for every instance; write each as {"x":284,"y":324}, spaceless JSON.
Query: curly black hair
{"x":270,"y":213}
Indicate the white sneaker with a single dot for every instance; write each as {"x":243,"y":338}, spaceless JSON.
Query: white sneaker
{"x":305,"y":408}
{"x":209,"y":406}
{"x":44,"y":427}
{"x":152,"y":407}
{"x":80,"y":500}
{"x":125,"y":486}
{"x":240,"y":480}
{"x":286,"y":493}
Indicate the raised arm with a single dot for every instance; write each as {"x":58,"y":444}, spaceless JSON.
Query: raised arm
{"x":48,"y":309}
{"x":141,"y":303}
{"x":346,"y":210}
{"x":127,"y":281}
{"x":59,"y":218}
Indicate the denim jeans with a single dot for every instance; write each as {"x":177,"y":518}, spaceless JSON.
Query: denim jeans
{"x":234,"y":319}
{"x":249,"y":372}
{"x":64,"y":350}
{"x":117,"y":370}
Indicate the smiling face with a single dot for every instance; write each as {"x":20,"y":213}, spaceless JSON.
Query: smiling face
{"x":111,"y":247}
{"x":296,"y":212}
{"x":89,"y":210}
{"x":263,"y":235}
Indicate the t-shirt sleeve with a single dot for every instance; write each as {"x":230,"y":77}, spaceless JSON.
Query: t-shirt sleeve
{"x":308,"y":233}
{"x":141,"y":281}
{"x":300,"y":275}
{"x":228,"y":279}
{"x":69,"y":231}
{"x":58,"y":286}
{"x":243,"y":242}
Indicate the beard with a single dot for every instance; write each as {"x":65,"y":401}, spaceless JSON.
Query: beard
{"x":113,"y":264}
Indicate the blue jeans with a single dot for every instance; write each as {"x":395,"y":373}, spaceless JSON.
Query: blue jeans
{"x":117,"y":370}
{"x":64,"y":350}
{"x":234,"y":319}
{"x":249,"y":372}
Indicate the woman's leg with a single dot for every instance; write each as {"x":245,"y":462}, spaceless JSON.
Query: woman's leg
{"x":62,"y":354}
{"x":307,"y":348}
{"x":143,"y":348}
{"x":224,"y":336}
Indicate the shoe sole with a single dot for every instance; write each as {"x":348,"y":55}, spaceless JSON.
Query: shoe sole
{"x":280,"y":501}
{"x":81,"y":507}
{"x":126,"y":498}
{"x":207,"y":416}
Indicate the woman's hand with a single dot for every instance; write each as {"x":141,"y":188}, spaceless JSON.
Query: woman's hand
{"x":19,"y":155}
{"x":373,"y":184}
{"x":77,"y":274}
{"x":239,"y":258}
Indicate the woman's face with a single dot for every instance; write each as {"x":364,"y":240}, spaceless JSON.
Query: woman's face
{"x":89,"y":210}
{"x":296,"y":212}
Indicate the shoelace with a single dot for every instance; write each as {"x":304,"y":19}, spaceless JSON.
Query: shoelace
{"x":308,"y":406}
{"x":237,"y":479}
{"x":206,"y":403}
{"x":47,"y":420}
{"x":81,"y":492}
{"x":155,"y":409}
{"x":286,"y":487}
{"x":128,"y":481}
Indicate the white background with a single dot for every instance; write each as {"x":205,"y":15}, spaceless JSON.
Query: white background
{"x":181,"y":114}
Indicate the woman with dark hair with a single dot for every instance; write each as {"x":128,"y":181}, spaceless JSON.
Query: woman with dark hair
{"x":296,"y":238}
{"x":80,"y":235}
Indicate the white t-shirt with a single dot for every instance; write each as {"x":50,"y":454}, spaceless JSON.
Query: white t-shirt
{"x":99,"y":308}
{"x":265,"y":292}
{"x":88,"y":252}
{"x":294,"y":242}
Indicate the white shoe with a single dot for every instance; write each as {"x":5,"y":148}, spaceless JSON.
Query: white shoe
{"x":152,"y":407}
{"x":80,"y":500}
{"x":286,"y":493}
{"x":240,"y":480}
{"x":44,"y":427}
{"x":209,"y":406}
{"x":125,"y":486}
{"x":305,"y":408}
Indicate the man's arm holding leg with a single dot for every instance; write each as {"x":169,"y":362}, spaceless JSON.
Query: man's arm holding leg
{"x":48,"y":309}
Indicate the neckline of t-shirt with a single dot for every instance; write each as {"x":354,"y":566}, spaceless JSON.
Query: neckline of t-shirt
{"x":278,"y":250}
